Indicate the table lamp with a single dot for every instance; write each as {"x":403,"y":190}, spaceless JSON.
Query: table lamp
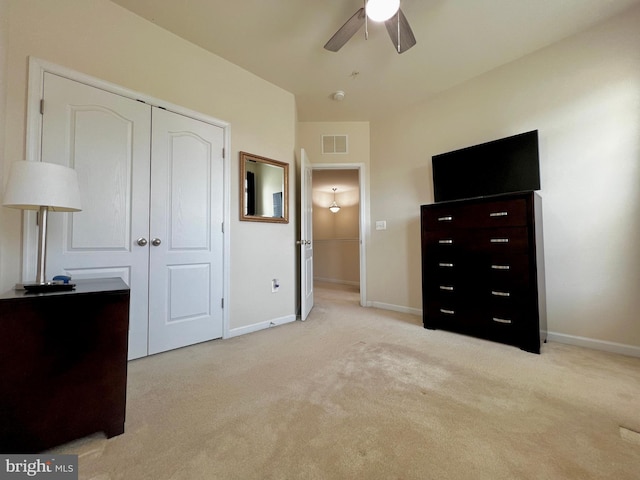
{"x":43,"y":187}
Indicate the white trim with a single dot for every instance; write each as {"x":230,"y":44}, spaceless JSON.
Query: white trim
{"x":611,"y":347}
{"x":363,"y":179}
{"x":396,"y":308}
{"x":235,"y":332}
{"x":37,"y":70}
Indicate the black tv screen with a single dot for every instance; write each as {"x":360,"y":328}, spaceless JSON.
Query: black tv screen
{"x":502,"y":166}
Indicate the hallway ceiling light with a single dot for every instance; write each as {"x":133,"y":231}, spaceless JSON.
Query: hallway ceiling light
{"x":334,"y":206}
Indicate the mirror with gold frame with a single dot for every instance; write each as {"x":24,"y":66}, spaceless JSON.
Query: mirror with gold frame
{"x":264,"y":189}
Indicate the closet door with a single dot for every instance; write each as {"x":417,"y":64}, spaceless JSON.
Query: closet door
{"x":186,"y":240}
{"x":105,"y":138}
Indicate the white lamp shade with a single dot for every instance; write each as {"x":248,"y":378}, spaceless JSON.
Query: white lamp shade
{"x":32,"y":185}
{"x":382,"y":10}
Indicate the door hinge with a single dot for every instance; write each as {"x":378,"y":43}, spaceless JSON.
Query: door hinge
{"x":42,"y":106}
{"x":222,"y":227}
{"x":223,"y":152}
{"x":222,"y":303}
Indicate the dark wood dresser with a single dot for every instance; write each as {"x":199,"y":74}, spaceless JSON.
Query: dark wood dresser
{"x":483,"y":268}
{"x":63,"y":364}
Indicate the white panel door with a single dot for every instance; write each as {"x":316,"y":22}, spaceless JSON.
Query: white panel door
{"x":186,"y":239}
{"x":306,"y":236}
{"x":105,"y":138}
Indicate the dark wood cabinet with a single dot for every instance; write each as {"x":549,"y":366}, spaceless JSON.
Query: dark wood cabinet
{"x":63,"y":364}
{"x":483,"y":268}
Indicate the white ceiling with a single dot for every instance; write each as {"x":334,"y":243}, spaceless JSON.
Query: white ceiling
{"x":282,"y":41}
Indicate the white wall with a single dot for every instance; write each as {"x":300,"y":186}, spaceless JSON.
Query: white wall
{"x":583,"y":95}
{"x":101,"y":39}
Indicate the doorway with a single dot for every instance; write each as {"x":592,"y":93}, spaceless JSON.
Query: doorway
{"x":338,"y":237}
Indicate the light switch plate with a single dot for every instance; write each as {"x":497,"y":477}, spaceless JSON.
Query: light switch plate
{"x":381,"y":224}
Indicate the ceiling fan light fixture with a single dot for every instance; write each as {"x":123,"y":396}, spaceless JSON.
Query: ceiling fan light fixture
{"x":382,"y":10}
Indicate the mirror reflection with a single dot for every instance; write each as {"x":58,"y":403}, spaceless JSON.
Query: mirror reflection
{"x":263,"y":189}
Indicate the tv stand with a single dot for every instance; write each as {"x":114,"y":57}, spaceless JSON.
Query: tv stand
{"x":483,"y":268}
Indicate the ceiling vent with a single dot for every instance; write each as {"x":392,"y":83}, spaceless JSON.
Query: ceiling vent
{"x":334,"y":144}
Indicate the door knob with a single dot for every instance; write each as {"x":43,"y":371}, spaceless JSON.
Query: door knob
{"x":141,"y":241}
{"x":155,"y":242}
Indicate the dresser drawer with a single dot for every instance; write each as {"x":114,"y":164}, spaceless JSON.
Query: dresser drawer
{"x":504,"y":301}
{"x":502,"y":328}
{"x":449,"y":242}
{"x":448,"y":314}
{"x":497,"y":241}
{"x":506,"y":271}
{"x":446,"y":292}
{"x":499,"y":213}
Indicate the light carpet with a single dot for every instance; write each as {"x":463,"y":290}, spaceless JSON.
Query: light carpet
{"x":361,"y":393}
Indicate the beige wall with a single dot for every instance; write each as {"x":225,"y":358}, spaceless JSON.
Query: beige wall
{"x":310,"y":138}
{"x":101,"y":39}
{"x":4,"y":35}
{"x":583,"y":95}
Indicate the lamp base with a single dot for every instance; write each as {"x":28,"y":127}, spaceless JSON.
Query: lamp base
{"x":45,"y":287}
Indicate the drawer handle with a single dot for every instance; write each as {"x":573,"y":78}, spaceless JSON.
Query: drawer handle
{"x":500,"y":294}
{"x":448,"y":312}
{"x":501,"y":320}
{"x":448,"y":218}
{"x":446,"y":265}
{"x":445,"y":242}
{"x":498,"y":214}
{"x":499,"y":240}
{"x":500,"y":267}
{"x":448,"y":288}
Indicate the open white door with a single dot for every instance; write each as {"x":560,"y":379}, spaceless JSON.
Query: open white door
{"x":306,"y":236}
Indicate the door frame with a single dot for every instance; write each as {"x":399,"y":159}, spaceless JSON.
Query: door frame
{"x":35,"y":92}
{"x":363,"y":181}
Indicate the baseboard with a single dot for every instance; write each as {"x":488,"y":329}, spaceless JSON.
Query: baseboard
{"x":234,"y":332}
{"x":395,"y":308}
{"x":612,"y":347}
{"x":337,"y":281}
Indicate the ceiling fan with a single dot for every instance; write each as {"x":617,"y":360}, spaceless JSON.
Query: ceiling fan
{"x":387,"y":11}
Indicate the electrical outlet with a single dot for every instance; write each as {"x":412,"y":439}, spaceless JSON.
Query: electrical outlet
{"x":275,"y":285}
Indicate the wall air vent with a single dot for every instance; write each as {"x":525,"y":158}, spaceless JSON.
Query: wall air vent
{"x":334,"y":144}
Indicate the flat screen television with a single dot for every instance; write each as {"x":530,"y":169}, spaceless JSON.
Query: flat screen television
{"x":507,"y":165}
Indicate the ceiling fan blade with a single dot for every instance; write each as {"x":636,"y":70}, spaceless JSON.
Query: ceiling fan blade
{"x":402,"y":37}
{"x":345,"y":32}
